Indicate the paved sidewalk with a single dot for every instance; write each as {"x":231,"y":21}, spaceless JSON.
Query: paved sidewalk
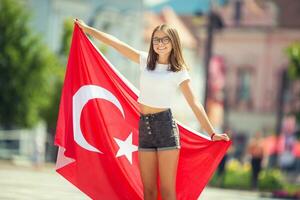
{"x":27,"y":183}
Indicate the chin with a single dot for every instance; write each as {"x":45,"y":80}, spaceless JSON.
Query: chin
{"x":163,"y":52}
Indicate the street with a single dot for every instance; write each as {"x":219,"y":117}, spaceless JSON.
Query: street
{"x":27,"y":183}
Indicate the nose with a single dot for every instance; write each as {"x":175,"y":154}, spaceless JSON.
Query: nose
{"x":160,"y":43}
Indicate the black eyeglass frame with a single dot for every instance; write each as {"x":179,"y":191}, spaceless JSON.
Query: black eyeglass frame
{"x":164,"y":40}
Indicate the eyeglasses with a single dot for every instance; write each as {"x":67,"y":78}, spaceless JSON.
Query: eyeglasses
{"x":164,"y":40}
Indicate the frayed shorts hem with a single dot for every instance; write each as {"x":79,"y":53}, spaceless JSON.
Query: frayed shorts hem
{"x":158,"y":149}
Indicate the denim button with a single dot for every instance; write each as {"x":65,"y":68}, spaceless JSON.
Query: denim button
{"x":148,"y":127}
{"x":147,"y":122}
{"x":149,"y":132}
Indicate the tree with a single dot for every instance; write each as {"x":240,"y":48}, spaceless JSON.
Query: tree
{"x":293,"y":71}
{"x":52,"y":111}
{"x":293,"y":53}
{"x":28,"y":70}
{"x":66,"y":38}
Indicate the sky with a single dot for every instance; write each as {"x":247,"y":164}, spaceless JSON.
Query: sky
{"x":153,"y":2}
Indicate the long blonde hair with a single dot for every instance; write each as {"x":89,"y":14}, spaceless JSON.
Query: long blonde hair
{"x":176,"y":60}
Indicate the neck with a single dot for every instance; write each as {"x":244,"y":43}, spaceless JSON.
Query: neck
{"x":163,"y":59}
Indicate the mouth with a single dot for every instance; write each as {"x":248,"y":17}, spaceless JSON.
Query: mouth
{"x":161,"y":48}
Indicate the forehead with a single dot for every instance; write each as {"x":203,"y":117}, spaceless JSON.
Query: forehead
{"x":159,"y":34}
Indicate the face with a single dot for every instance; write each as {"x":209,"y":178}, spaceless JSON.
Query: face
{"x":161,"y":43}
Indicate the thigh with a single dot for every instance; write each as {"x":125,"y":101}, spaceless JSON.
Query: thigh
{"x":148,"y":168}
{"x":167,"y":166}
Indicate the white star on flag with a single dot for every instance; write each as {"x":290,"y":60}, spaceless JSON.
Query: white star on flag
{"x":126,"y":147}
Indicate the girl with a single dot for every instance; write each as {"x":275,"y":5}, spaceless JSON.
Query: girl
{"x":162,"y":70}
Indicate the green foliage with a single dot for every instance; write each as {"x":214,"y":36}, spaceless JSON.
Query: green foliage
{"x":28,"y":70}
{"x":293,"y":53}
{"x":271,"y":180}
{"x":239,"y":179}
{"x":31,"y":76}
{"x":238,"y":176}
{"x":292,"y":188}
{"x":51,"y":113}
{"x":66,"y":37}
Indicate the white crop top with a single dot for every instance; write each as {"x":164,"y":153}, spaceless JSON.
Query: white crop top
{"x":158,"y":87}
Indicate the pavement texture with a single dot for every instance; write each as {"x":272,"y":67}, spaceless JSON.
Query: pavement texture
{"x":30,"y":183}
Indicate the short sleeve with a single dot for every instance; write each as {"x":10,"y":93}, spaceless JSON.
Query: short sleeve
{"x":143,"y":59}
{"x":182,"y":76}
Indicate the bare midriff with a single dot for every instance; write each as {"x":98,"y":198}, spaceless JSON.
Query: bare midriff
{"x":150,"y":110}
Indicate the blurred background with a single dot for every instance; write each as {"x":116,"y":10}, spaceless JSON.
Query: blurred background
{"x":244,"y":59}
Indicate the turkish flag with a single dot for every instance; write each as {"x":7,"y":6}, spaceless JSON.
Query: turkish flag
{"x":97,"y":132}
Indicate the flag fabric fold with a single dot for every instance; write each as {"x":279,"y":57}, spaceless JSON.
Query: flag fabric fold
{"x":97,"y":132}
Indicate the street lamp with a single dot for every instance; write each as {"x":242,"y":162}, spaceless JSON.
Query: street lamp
{"x":214,"y":23}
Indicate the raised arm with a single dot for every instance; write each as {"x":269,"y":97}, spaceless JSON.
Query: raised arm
{"x":123,"y":48}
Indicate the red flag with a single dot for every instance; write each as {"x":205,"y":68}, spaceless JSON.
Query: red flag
{"x":97,"y":133}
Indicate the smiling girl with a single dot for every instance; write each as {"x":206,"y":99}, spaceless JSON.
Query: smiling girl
{"x":163,"y":70}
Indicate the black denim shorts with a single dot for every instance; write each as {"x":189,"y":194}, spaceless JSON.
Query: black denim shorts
{"x":158,"y":131}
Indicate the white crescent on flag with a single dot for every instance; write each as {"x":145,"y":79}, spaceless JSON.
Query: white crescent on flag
{"x":80,"y":99}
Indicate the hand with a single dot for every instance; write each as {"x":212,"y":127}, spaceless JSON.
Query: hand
{"x":81,"y":24}
{"x":218,"y":137}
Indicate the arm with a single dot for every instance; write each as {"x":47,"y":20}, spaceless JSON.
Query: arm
{"x":199,"y":111}
{"x":112,"y":41}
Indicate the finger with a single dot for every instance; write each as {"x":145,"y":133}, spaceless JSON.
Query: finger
{"x":226,"y":138}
